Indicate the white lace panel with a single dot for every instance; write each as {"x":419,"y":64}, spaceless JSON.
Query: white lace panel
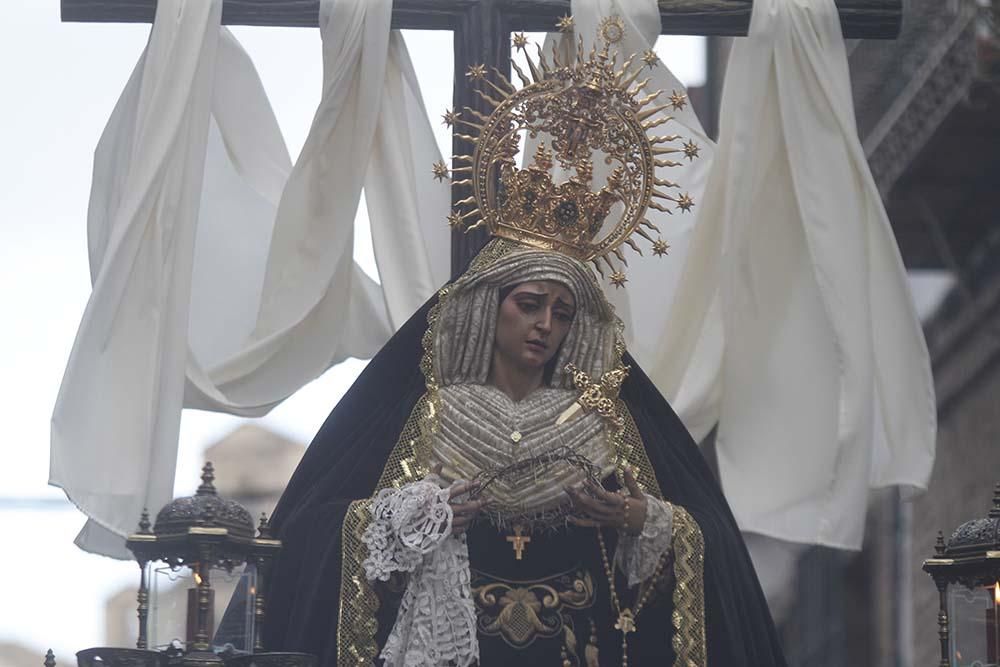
{"x":411,"y":532}
{"x":638,"y":555}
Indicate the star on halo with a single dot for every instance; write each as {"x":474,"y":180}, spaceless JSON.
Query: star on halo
{"x":476,"y":72}
{"x":660,"y":247}
{"x":691,"y":150}
{"x":565,"y":24}
{"x":685,"y":202}
{"x":455,"y":219}
{"x":678,"y":100}
{"x":449,"y":117}
{"x":440,"y":170}
{"x":618,"y":279}
{"x":649,"y":57}
{"x":520,"y":41}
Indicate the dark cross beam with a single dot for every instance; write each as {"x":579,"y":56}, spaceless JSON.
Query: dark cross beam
{"x":482,"y":29}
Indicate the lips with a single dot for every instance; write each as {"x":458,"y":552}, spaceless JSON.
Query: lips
{"x":537,"y":345}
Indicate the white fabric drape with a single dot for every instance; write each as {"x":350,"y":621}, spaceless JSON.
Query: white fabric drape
{"x":223,"y":276}
{"x":824,"y":380}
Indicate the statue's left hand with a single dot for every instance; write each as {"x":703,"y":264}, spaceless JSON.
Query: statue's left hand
{"x":602,"y":508}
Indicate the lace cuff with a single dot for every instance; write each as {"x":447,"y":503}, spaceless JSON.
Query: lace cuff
{"x":411,"y":532}
{"x":638,"y":555}
{"x":406,"y":524}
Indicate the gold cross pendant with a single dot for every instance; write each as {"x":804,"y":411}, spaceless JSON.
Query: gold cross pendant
{"x":518,"y":541}
{"x":626,"y":622}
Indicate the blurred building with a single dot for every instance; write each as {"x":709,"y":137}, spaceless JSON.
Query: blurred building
{"x":13,"y":654}
{"x":252,"y":466}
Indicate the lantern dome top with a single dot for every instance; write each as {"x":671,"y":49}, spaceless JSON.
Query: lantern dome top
{"x":978,"y":534}
{"x":205,"y":509}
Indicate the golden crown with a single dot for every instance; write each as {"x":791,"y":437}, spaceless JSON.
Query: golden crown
{"x":586,"y":108}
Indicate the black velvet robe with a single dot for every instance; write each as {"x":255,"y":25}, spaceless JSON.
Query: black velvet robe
{"x":344,"y":463}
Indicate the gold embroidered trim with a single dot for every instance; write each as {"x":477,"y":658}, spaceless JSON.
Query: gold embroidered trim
{"x":689,"y":591}
{"x":631,"y":452}
{"x":356,"y":623}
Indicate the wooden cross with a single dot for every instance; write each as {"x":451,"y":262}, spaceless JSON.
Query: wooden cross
{"x":482,"y":30}
{"x":518,"y":541}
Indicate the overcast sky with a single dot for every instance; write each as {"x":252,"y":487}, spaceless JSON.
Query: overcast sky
{"x":59,"y":84}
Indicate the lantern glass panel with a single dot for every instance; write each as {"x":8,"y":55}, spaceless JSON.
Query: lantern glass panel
{"x":974,"y":633}
{"x":172,"y":602}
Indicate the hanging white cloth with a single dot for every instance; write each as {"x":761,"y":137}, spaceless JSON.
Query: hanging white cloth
{"x":214,"y":260}
{"x":825,"y":378}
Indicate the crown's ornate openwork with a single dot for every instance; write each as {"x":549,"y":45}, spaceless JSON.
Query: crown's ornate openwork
{"x":585,"y":112}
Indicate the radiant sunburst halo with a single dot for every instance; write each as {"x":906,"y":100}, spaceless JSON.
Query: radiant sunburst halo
{"x":612,"y":29}
{"x":527,"y":205}
{"x":440,"y":170}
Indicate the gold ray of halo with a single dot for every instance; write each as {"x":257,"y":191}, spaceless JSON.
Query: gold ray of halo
{"x":652,"y":111}
{"x":642,"y":232}
{"x":630,"y":79}
{"x":642,"y":84}
{"x":664,"y":138}
{"x":667,"y":163}
{"x":646,"y":223}
{"x":632,"y":244}
{"x":656,"y":122}
{"x":648,"y":98}
{"x":481,"y":116}
{"x":525,"y":81}
{"x":624,"y":68}
{"x":503,"y":93}
{"x":535,"y":74}
{"x":487,"y":98}
{"x":541,"y":61}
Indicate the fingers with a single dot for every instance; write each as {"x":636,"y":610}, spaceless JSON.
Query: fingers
{"x":605,"y":513}
{"x":581,"y":521}
{"x":462,"y":488}
{"x":631,"y":484}
{"x":609,"y":497}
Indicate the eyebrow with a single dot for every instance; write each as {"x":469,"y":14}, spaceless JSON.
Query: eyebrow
{"x":538,"y":296}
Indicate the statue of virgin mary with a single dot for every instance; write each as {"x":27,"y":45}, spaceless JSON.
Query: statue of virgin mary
{"x":503,"y":484}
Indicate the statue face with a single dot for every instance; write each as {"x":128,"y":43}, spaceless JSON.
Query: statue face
{"x":532,"y":323}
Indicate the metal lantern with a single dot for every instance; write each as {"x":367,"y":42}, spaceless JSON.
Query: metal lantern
{"x":966,"y":570}
{"x":203,"y":533}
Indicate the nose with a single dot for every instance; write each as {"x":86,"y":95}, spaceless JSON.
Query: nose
{"x":544,"y":322}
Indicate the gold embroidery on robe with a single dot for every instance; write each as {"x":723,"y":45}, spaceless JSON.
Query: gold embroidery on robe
{"x":520,"y":612}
